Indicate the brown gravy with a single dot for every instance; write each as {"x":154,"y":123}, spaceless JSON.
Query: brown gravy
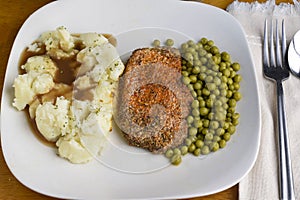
{"x":67,"y":68}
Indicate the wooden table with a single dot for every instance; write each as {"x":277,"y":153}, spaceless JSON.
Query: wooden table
{"x":12,"y":16}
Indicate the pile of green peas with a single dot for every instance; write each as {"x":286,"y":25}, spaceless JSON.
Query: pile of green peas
{"x":214,"y":83}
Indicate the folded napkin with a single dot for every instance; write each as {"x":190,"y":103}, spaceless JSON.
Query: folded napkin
{"x":262,"y":181}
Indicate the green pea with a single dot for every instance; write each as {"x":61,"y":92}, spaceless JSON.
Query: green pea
{"x":201,"y":103}
{"x":236,"y":66}
{"x":225,"y":56}
{"x":190,"y":87}
{"x":226,"y":136}
{"x":232,"y":102}
{"x":209,"y":102}
{"x":196,"y":70}
{"x":205,"y":150}
{"x":203,"y":40}
{"x":205,"y":92}
{"x":203,"y":60}
{"x":195,"y":104}
{"x":202,"y":76}
{"x":215,"y":67}
{"x":229,"y":81}
{"x":237,"y":96}
{"x":186,"y":80}
{"x":216,"y":138}
{"x":211,"y":116}
{"x":209,"y":79}
{"x":236,"y":86}
{"x":197,"y":152}
{"x":190,"y":42}
{"x":205,"y":123}
{"x":224,"y":79}
{"x":222,"y":143}
{"x":190,"y":119}
{"x":235,"y":122}
{"x":197,"y":86}
{"x":214,"y":124}
{"x":202,"y":69}
{"x":206,"y":47}
{"x":194,"y":94}
{"x":223,"y":93}
{"x":217,"y":81}
{"x":156,"y":43}
{"x":199,"y":93}
{"x":199,"y":45}
{"x":169,"y":42}
{"x":205,"y":131}
{"x":231,"y":129}
{"x":193,"y":131}
{"x":202,"y":52}
{"x":192,"y":148}
{"x":222,"y":66}
{"x":226,"y":125}
{"x":177,"y":151}
{"x":231,"y":87}
{"x":185,"y":73}
{"x":232,"y":74}
{"x":195,"y":112}
{"x":169,"y":153}
{"x":197,"y":63}
{"x":188,"y":141}
{"x":193,"y":138}
{"x":193,"y":78}
{"x":199,"y":143}
{"x":176,"y":159}
{"x":204,"y":111}
{"x":226,"y":72}
{"x":214,"y":50}
{"x":214,"y":146}
{"x":236,"y":116}
{"x":220,"y":116}
{"x":237,"y":78}
{"x":220,"y":131}
{"x":209,"y":136}
{"x":211,"y":86}
{"x":229,"y":93}
{"x":210,"y":42}
{"x":188,"y":56}
{"x":197,"y":123}
{"x":184,"y":150}
{"x":184,"y":46}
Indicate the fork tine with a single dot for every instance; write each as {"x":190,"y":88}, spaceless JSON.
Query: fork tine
{"x":272,"y":51}
{"x":266,"y":46}
{"x":278,"y":50}
{"x":283,"y":44}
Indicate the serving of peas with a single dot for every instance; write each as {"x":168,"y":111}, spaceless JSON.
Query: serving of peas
{"x":214,"y":83}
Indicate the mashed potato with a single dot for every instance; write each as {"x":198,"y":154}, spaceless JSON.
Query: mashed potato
{"x":38,"y":79}
{"x":78,"y":121}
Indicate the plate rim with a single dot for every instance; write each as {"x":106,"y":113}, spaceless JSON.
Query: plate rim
{"x":56,"y":3}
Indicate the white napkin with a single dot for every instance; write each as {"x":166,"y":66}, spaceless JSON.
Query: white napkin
{"x":262,"y":182}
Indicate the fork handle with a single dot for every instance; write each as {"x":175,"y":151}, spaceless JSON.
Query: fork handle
{"x":285,"y":167}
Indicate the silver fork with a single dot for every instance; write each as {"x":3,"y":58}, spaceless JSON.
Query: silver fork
{"x":275,"y":68}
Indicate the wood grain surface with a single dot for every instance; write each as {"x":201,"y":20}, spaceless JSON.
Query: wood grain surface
{"x":12,"y":16}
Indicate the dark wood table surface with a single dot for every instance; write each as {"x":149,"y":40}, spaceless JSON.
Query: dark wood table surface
{"x":12,"y":16}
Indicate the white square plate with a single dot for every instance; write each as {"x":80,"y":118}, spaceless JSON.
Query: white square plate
{"x":39,"y":168}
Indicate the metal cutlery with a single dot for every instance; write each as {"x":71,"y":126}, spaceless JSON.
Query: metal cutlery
{"x":275,"y":68}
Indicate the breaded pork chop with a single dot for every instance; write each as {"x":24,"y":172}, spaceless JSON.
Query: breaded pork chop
{"x":152,"y":101}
